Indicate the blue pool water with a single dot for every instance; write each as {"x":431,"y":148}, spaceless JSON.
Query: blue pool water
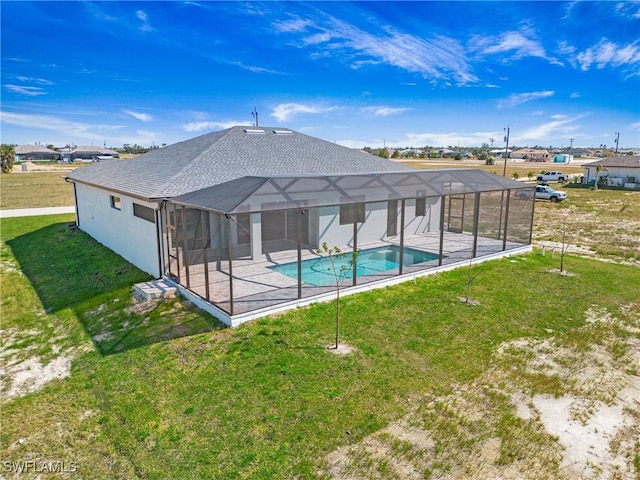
{"x":317,"y":271}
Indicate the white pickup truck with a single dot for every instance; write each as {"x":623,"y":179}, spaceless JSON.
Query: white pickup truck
{"x":545,"y":192}
{"x":552,"y":177}
{"x":542,"y":192}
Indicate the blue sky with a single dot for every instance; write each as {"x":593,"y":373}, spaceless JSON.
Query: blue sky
{"x":359,"y":74}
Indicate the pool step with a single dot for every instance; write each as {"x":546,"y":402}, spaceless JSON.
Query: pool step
{"x":154,"y":289}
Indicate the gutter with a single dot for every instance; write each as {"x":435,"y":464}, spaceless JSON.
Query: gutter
{"x":75,"y":199}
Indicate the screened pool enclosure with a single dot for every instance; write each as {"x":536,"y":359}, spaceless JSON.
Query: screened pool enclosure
{"x":251,"y":244}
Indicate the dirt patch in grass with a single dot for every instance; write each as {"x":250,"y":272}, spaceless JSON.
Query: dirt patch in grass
{"x":547,"y":408}
{"x":22,"y":371}
{"x":343,"y":349}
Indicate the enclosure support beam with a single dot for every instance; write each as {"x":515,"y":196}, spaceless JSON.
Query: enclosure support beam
{"x":402,"y":204}
{"x":442,"y":202}
{"x":298,"y":234}
{"x":205,"y":245}
{"x":185,"y":250}
{"x":229,"y":248}
{"x":355,"y":249}
{"x":506,"y":221}
{"x":476,"y":216}
{"x":533,"y":203}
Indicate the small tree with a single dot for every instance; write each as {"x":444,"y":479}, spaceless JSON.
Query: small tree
{"x":530,"y":175}
{"x":339,"y":268}
{"x":564,"y":246}
{"x":598,"y":170}
{"x":8,"y":155}
{"x":516,"y":175}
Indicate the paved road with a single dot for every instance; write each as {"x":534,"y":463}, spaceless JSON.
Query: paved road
{"x":32,"y":212}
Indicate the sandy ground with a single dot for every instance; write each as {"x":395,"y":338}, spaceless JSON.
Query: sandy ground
{"x":589,"y":432}
{"x":40,"y":167}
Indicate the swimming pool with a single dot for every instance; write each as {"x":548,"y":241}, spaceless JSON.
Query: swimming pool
{"x":317,"y":271}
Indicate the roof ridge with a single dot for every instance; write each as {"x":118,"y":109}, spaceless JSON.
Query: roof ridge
{"x":158,"y":191}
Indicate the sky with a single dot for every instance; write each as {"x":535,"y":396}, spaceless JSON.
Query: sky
{"x":375,"y":73}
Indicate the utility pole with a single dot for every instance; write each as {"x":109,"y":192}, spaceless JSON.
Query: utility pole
{"x":506,"y":151}
{"x":570,"y":146}
{"x":617,"y":140}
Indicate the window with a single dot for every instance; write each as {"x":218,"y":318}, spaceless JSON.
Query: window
{"x":145,"y":213}
{"x":421,"y":206}
{"x":115,"y":202}
{"x":351,"y":213}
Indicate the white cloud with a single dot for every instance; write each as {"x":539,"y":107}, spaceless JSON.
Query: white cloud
{"x":509,"y":42}
{"x":449,"y":138}
{"x":560,"y":124}
{"x":209,"y":125}
{"x":286,"y":111}
{"x":381,"y":111}
{"x":64,"y":128}
{"x":574,"y":95}
{"x":39,"y":81}
{"x":519,"y":98}
{"x":142,"y":16}
{"x":437,"y":57}
{"x":295,"y":25}
{"x":255,"y":69}
{"x":606,"y":53}
{"x":24,"y":90}
{"x":143,"y":117}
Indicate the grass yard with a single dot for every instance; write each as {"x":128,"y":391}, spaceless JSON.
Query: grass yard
{"x":601,"y":223}
{"x":34,"y":189}
{"x":159,"y":390}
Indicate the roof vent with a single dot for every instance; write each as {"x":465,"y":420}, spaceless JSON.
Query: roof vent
{"x":282,"y":132}
{"x":254,"y":131}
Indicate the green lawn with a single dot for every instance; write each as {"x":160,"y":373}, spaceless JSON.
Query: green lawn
{"x":34,"y":189}
{"x":166,"y":393}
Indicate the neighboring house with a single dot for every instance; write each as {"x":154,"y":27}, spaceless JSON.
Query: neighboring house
{"x":235,"y":217}
{"x":499,"y":152}
{"x":532,"y":154}
{"x":90,"y":154}
{"x":621,"y":171}
{"x":25,"y":153}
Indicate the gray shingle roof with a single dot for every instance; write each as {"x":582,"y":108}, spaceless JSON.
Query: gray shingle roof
{"x":629,"y":161}
{"x":26,"y":149}
{"x":226,"y":155}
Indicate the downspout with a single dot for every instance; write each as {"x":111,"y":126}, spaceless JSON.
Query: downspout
{"x":75,"y":200}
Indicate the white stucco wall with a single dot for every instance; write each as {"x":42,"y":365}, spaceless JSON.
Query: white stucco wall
{"x":613,"y":172}
{"x":129,"y":236}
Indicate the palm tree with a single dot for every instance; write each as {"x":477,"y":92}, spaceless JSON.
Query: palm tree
{"x":8,"y":155}
{"x":598,"y":170}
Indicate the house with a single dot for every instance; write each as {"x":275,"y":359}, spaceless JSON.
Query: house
{"x":25,"y":153}
{"x":90,"y":154}
{"x":620,"y":171}
{"x":235,"y":218}
{"x":532,"y":154}
{"x":499,"y":152}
